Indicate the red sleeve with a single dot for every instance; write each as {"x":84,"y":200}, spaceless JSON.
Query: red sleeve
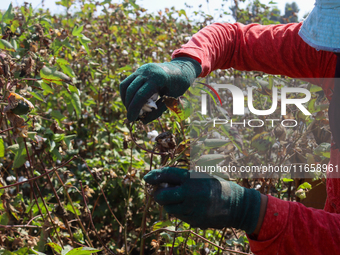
{"x":291,"y":228}
{"x":273,"y":49}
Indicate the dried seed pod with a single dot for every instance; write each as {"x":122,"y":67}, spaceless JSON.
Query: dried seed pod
{"x":165,"y":141}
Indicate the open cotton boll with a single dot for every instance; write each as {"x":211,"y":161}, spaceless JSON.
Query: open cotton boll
{"x":150,"y":104}
{"x":152,"y":135}
{"x":22,"y":179}
{"x":11,"y":178}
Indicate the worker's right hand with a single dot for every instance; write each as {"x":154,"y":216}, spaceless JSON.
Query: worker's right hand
{"x":205,"y":201}
{"x":170,"y":79}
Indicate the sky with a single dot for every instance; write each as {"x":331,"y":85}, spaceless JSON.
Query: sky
{"x":208,"y":6}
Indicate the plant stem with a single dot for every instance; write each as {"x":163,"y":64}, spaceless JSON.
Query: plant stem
{"x":197,"y":235}
{"x":221,"y":240}
{"x":94,"y":228}
{"x":61,"y":206}
{"x":38,"y":177}
{"x":102,"y":191}
{"x":185,"y":243}
{"x":19,"y":226}
{"x":142,"y":243}
{"x":175,"y":236}
{"x":71,"y":202}
{"x":40,"y":194}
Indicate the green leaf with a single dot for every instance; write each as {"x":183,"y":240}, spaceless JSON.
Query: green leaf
{"x":234,"y":136}
{"x":65,"y":3}
{"x":161,"y":224}
{"x":85,"y":41}
{"x":47,"y":89}
{"x":2,"y":191}
{"x":77,"y":30}
{"x":233,"y":241}
{"x":210,"y":160}
{"x":4,"y":219}
{"x":37,"y":96}
{"x":321,"y":107}
{"x":4,"y":45}
{"x":14,"y":44}
{"x":14,"y":148}
{"x":22,"y":251}
{"x":125,"y":68}
{"x":78,"y":235}
{"x":305,"y":185}
{"x":191,"y":242}
{"x":68,"y":70}
{"x":208,"y":92}
{"x":6,"y":252}
{"x":15,"y":25}
{"x":9,"y":15}
{"x":57,"y":45}
{"x":2,"y":148}
{"x":37,"y":252}
{"x":287,"y":180}
{"x":52,"y":145}
{"x":56,"y":154}
{"x":57,"y":115}
{"x":58,"y":137}
{"x":133,"y":3}
{"x":63,"y":62}
{"x":66,"y":250}
{"x":82,"y":251}
{"x":65,"y":66}
{"x":263,"y":141}
{"x":315,"y":88}
{"x":70,"y":208}
{"x":73,"y":89}
{"x":31,"y":135}
{"x":52,"y":75}
{"x":69,"y":104}
{"x":215,"y":143}
{"x":76,"y":103}
{"x":20,"y":157}
{"x":300,"y":193}
{"x":67,"y":140}
{"x":67,"y":44}
{"x":311,"y":106}
{"x":323,"y":150}
{"x":182,"y":12}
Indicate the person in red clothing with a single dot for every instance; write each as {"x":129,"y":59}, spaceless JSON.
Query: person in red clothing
{"x":300,"y":50}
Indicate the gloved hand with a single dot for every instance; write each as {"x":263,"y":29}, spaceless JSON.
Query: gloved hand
{"x":171,"y":79}
{"x":204,"y":201}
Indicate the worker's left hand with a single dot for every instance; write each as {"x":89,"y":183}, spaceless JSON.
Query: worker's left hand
{"x":204,"y":201}
{"x":170,"y":79}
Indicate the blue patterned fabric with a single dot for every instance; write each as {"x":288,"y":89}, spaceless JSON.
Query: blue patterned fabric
{"x":321,"y":29}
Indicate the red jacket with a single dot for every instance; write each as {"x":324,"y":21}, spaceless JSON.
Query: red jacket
{"x":288,"y":227}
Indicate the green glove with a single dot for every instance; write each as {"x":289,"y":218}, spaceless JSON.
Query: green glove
{"x":171,"y":79}
{"x":204,"y":201}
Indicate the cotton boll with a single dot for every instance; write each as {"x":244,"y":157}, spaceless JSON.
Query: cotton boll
{"x":22,"y":179}
{"x":150,"y":105}
{"x":152,"y":135}
{"x":11,"y":178}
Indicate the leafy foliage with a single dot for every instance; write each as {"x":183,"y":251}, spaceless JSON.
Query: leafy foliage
{"x":65,"y":149}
